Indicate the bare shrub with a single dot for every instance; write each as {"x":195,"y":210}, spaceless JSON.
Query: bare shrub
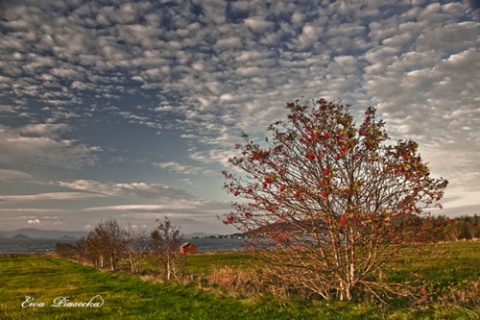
{"x":165,"y":243}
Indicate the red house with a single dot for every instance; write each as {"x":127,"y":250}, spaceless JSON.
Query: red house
{"x":188,"y":247}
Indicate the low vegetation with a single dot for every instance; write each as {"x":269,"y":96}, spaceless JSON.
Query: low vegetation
{"x":227,"y":286}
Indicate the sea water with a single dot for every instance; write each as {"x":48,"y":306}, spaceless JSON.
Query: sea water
{"x":22,"y":246}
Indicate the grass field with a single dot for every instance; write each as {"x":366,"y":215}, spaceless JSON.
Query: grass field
{"x":451,"y":276}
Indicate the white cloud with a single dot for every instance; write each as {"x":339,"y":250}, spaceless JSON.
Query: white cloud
{"x":229,"y":43}
{"x":190,"y":215}
{"x":49,"y":130}
{"x":49,"y":197}
{"x":309,"y":36}
{"x":259,"y":24}
{"x":130,"y":208}
{"x":134,"y":190}
{"x":181,"y":168}
{"x":42,"y":145}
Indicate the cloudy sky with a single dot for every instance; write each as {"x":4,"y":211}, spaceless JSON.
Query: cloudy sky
{"x":130,"y":109}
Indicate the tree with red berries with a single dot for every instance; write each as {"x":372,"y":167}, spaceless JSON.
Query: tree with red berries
{"x":329,"y":202}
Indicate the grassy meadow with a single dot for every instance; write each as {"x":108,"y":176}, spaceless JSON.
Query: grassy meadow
{"x":449,"y":276}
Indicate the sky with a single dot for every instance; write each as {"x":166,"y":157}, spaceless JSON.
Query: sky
{"x":130,"y":109}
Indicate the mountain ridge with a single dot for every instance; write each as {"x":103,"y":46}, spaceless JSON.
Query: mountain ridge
{"x":34,"y":233}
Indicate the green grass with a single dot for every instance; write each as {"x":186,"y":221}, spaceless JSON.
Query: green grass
{"x":206,"y":262}
{"x":126,"y":297}
{"x":448,"y":274}
{"x":446,"y":267}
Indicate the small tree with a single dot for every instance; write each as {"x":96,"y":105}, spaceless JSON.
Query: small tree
{"x":106,"y":243}
{"x":165,"y":242}
{"x":327,"y":201}
{"x":136,"y":247}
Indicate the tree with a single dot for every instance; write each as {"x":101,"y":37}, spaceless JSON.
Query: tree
{"x":135,"y":249}
{"x":165,"y":242}
{"x":329,"y":202}
{"x":106,"y":243}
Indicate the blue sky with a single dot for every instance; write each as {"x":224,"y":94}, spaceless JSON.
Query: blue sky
{"x":130,"y":109}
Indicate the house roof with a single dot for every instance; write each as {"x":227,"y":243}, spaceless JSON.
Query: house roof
{"x":185,"y":244}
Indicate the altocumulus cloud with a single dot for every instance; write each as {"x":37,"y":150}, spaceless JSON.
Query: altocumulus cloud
{"x":167,"y":87}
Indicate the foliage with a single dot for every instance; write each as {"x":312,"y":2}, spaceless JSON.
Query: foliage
{"x":329,"y":202}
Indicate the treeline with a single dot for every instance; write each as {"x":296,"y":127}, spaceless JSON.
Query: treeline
{"x":116,"y":247}
{"x":441,"y":228}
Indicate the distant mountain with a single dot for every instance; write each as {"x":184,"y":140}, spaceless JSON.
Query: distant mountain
{"x":20,"y":236}
{"x":45,"y":234}
{"x":71,"y":235}
{"x":197,"y":235}
{"x":67,"y":237}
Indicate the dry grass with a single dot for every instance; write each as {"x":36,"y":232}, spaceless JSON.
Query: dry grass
{"x":469,"y":295}
{"x":242,"y":281}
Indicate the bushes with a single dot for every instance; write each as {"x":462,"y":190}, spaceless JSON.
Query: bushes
{"x":118,"y":248}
